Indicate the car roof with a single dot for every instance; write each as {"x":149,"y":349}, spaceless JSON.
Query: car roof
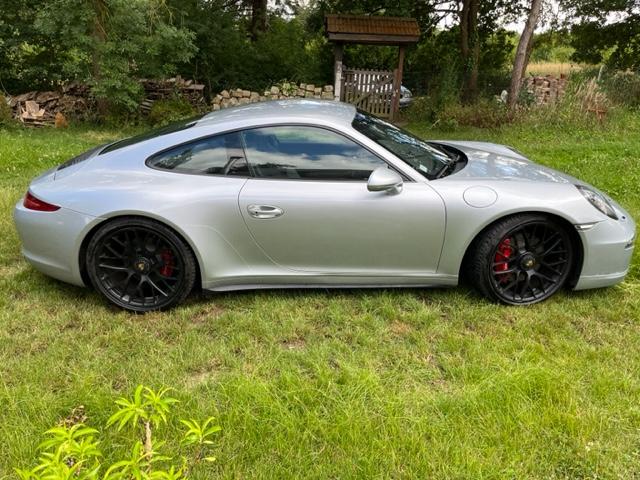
{"x":279,"y":110}
{"x":246,"y":116}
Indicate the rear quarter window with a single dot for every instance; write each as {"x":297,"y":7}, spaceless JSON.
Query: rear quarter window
{"x":217,"y":155}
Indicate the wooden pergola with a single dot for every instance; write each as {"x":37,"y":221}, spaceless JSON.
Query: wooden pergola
{"x":367,"y":87}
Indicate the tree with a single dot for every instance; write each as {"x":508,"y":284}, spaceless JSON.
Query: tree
{"x":99,"y":34}
{"x":605,"y":31}
{"x":470,"y":47}
{"x":479,"y":24}
{"x":523,"y":52}
{"x":28,"y":58}
{"x":110,"y":43}
{"x":258,"y":18}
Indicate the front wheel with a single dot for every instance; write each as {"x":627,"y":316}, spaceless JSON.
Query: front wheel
{"x":140,"y":265}
{"x":522,"y":260}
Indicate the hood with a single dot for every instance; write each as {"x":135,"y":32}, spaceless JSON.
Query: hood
{"x":499,"y":162}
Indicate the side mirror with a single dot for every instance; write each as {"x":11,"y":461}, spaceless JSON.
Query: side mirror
{"x":383,"y":179}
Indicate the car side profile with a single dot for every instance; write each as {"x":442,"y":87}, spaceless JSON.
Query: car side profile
{"x":306,"y":193}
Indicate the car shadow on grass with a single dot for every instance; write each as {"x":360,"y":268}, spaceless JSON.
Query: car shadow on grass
{"x":30,"y":285}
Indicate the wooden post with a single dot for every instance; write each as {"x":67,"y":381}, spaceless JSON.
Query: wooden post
{"x":397,"y":82}
{"x":337,"y":71}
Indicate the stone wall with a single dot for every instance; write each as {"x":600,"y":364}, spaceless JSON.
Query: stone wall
{"x":546,"y":90}
{"x":238,"y":96}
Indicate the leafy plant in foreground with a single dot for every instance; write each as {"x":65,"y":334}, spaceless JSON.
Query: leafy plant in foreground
{"x":74,"y":452}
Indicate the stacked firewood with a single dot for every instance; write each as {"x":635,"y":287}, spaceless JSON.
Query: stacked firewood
{"x":170,"y":88}
{"x":546,"y":90}
{"x":40,"y":108}
{"x":74,"y":100}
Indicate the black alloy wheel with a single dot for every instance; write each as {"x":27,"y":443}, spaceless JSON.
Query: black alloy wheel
{"x":522,"y":260}
{"x":140,"y":265}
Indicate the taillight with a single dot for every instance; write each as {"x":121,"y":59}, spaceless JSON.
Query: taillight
{"x":33,"y":203}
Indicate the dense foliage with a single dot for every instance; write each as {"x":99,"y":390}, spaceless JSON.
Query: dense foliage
{"x":464,"y":51}
{"x":606,"y":31}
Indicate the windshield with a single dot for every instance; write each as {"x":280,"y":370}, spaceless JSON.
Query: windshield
{"x":421,"y":156}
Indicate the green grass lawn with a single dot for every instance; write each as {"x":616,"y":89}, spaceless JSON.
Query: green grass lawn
{"x":342,"y":384}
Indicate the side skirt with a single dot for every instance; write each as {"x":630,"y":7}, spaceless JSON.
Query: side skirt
{"x":254,"y":283}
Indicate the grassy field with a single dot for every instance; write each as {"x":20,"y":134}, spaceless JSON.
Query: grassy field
{"x":552,"y":68}
{"x":346,"y":384}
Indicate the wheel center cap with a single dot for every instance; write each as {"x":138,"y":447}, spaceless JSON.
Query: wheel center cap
{"x":141,"y":265}
{"x":528,"y":261}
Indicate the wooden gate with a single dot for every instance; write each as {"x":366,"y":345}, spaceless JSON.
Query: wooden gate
{"x":369,"y":90}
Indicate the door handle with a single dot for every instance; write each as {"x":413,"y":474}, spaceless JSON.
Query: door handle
{"x":264,"y":211}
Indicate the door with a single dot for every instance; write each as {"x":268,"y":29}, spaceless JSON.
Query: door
{"x":308,"y":207}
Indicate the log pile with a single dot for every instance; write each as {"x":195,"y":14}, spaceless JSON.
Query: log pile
{"x":170,"y":88}
{"x":33,"y":115}
{"x":546,"y":90}
{"x":74,"y":100}
{"x":40,"y":108}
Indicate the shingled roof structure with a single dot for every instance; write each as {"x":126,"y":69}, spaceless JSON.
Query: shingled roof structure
{"x":365,"y":88}
{"x":371,"y":29}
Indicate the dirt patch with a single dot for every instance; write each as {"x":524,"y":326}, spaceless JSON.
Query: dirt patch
{"x":209,"y":312}
{"x":400,"y":328}
{"x":204,"y":374}
{"x":76,"y":416}
{"x":294,"y":344}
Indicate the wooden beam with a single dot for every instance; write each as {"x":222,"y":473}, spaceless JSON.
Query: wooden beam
{"x":372,"y":39}
{"x":397,"y":83}
{"x":337,"y":71}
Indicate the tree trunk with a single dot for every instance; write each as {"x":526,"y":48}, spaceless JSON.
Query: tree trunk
{"x":470,"y":48}
{"x":99,"y":33}
{"x":523,"y":52}
{"x":258,"y":18}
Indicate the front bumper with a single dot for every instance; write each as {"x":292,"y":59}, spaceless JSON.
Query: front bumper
{"x":608,"y":248}
{"x":51,"y":240}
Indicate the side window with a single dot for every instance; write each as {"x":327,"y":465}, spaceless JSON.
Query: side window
{"x":219,"y":155}
{"x":307,"y":153}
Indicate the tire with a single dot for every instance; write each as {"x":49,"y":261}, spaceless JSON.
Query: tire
{"x":521,"y":260}
{"x":140,"y":265}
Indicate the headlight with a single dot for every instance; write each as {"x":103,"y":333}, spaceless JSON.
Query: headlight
{"x":598,"y":201}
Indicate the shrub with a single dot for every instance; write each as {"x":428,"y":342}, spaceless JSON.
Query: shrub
{"x":74,"y":450}
{"x":421,"y":109}
{"x":623,"y":88}
{"x":590,"y":96}
{"x":482,"y":114}
{"x":6,"y":116}
{"x":167,"y":111}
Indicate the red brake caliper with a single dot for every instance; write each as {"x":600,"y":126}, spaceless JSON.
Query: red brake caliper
{"x":168,"y":261}
{"x":503,"y":254}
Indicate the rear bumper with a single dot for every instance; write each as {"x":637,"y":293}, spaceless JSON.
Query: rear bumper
{"x":51,"y":240}
{"x":608,"y":248}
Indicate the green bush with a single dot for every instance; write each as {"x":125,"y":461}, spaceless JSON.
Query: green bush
{"x":421,"y":109}
{"x":484,"y":113}
{"x":6,"y":116}
{"x":167,"y":111}
{"x":623,"y":88}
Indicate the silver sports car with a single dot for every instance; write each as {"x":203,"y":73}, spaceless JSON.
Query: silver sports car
{"x":315,"y":194}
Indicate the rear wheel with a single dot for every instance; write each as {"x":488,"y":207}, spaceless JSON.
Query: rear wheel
{"x":522,"y":260}
{"x":140,"y":265}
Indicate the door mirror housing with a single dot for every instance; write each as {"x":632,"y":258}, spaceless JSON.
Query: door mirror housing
{"x":383,"y":179}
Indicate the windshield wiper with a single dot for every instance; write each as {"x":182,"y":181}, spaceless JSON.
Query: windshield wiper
{"x":448,"y":167}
